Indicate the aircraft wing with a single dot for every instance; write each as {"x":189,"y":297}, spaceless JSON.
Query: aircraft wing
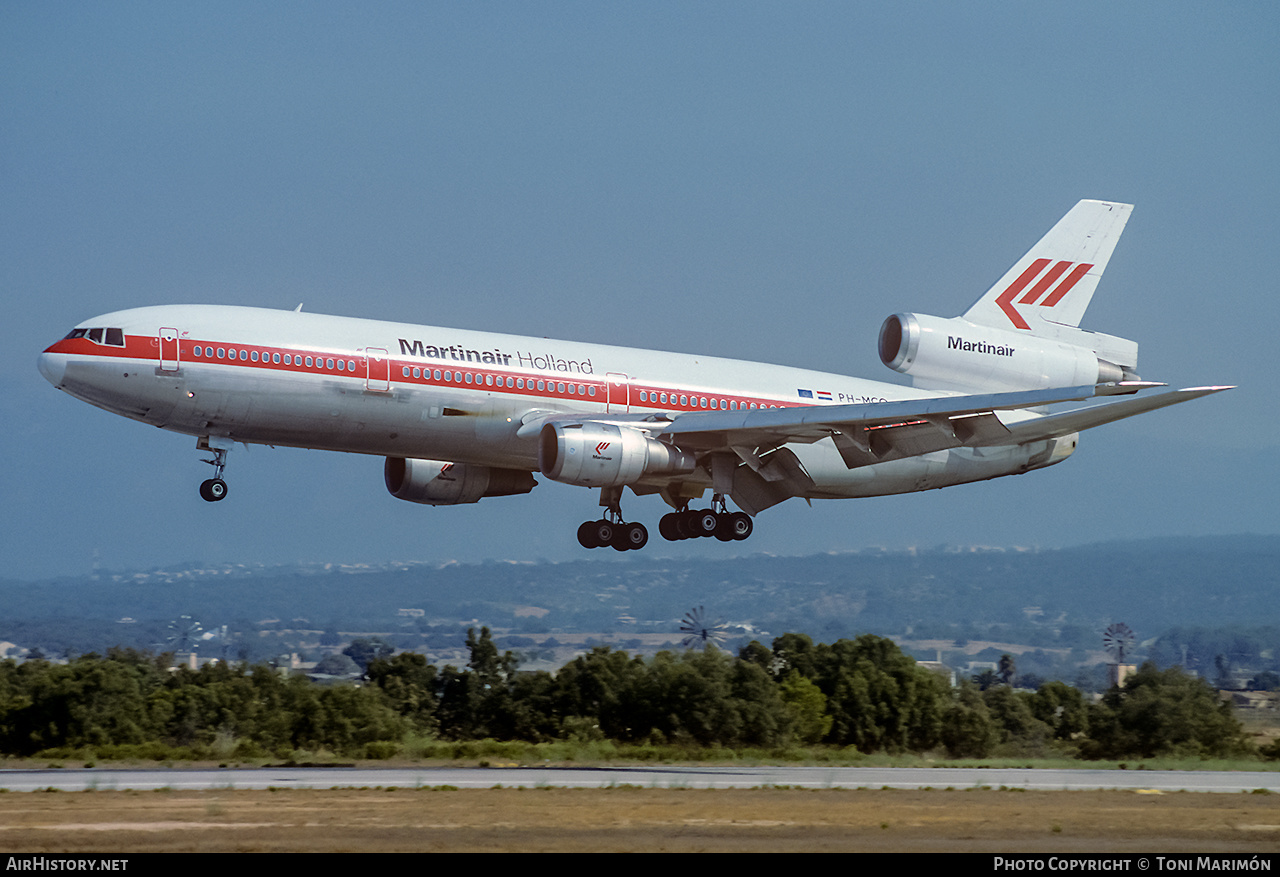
{"x":878,"y":432}
{"x":1066,"y":422}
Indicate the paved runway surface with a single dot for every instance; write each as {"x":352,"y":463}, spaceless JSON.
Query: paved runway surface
{"x":690,"y":777}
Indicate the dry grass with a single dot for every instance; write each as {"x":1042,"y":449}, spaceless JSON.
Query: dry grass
{"x":627,"y":819}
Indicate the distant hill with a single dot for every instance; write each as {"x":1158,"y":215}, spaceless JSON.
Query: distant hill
{"x":1048,"y":598}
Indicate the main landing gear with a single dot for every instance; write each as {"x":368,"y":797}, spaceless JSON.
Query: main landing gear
{"x":617,"y":534}
{"x":611,"y":530}
{"x":215,"y":488}
{"x":717,"y":521}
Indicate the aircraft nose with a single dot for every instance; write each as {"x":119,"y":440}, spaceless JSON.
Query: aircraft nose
{"x":52,"y":366}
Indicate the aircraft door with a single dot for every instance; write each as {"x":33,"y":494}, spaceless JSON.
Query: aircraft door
{"x":168,"y":350}
{"x":617,"y":393}
{"x":378,"y":376}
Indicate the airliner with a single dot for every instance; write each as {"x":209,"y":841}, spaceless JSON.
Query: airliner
{"x":464,"y":415}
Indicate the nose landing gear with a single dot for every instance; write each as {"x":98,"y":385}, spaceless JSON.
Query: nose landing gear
{"x":215,"y":488}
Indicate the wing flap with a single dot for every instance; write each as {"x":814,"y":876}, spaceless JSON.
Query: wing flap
{"x":869,"y":433}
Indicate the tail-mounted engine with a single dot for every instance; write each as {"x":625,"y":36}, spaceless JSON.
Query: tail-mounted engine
{"x":604,"y":455}
{"x":435,"y":482}
{"x":954,"y":354}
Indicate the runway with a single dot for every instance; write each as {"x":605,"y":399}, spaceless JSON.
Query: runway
{"x":657,"y":777}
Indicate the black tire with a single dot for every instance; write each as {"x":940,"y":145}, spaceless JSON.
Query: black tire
{"x":741,"y":525}
{"x":703,"y":523}
{"x":604,"y":532}
{"x":213,"y":490}
{"x":587,"y":535}
{"x":684,"y":525}
{"x":724,"y":527}
{"x":669,"y":527}
{"x":636,"y":536}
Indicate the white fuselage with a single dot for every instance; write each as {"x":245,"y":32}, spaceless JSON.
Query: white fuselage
{"x":400,"y":390}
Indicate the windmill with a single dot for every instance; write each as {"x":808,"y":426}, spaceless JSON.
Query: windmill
{"x":1118,"y":639}
{"x":184,"y":635}
{"x":699,"y":631}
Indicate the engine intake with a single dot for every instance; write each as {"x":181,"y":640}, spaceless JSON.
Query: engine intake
{"x":436,"y":482}
{"x":605,"y":455}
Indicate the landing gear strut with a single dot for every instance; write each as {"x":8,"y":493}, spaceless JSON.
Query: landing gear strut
{"x":215,"y":488}
{"x":611,"y":530}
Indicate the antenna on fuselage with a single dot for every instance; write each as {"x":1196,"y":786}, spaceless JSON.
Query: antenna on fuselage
{"x":298,"y":309}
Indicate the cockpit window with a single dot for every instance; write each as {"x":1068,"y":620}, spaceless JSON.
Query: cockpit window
{"x":99,"y":335}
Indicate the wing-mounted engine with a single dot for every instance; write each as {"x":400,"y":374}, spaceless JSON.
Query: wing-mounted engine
{"x":436,"y":482}
{"x":593,"y":454}
{"x":954,"y":354}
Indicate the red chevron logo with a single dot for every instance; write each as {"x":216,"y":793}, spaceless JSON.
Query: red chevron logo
{"x":1045,"y":280}
{"x":602,"y":447}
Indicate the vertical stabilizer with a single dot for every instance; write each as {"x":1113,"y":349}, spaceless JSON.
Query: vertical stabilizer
{"x":1055,"y":281}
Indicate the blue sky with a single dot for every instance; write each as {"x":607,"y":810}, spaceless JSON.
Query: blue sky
{"x":757,"y":180}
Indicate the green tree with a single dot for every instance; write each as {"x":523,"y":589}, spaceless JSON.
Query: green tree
{"x":1020,"y":732}
{"x":478,"y":702}
{"x":878,"y":698}
{"x":365,"y":650}
{"x":608,"y":688}
{"x":758,"y":654}
{"x":968,"y":731}
{"x":1062,"y":707}
{"x":1008,"y":669}
{"x":337,"y":664}
{"x":1163,"y":713}
{"x":986,"y":679}
{"x":458,"y":713}
{"x":690,"y":692}
{"x":794,"y":651}
{"x":409,"y":684}
{"x":807,"y":707}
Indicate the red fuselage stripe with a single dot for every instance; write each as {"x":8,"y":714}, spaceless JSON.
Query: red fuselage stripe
{"x":148,"y":348}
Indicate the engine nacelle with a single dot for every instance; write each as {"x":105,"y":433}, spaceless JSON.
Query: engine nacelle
{"x":954,"y":354}
{"x":435,"y":482}
{"x":604,"y":455}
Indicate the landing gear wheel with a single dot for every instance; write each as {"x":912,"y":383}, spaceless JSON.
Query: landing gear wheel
{"x":630,"y":537}
{"x":724,"y":527}
{"x":702,"y":523}
{"x":740,"y":525}
{"x":587,"y":535}
{"x":669,"y":527}
{"x":684,"y":525}
{"x":603,"y":531}
{"x":213,"y":490}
